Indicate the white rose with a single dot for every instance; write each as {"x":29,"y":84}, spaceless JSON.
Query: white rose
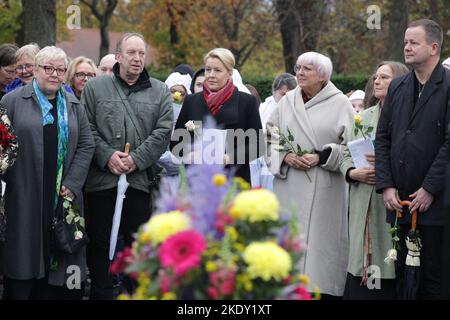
{"x":190,"y":125}
{"x":391,"y":256}
{"x":78,"y":235}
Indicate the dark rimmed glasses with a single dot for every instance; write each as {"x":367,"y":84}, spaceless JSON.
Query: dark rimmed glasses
{"x":82,"y":75}
{"x":50,"y":69}
{"x":28,"y":67}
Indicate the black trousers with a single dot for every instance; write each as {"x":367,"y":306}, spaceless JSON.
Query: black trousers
{"x":431,"y":261}
{"x":38,"y":289}
{"x":136,"y":210}
{"x":355,"y":291}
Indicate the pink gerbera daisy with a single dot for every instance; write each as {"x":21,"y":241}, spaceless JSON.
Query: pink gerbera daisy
{"x":182,"y":251}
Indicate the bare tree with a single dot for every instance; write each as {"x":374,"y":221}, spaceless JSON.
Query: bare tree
{"x":300,"y":25}
{"x":38,"y":22}
{"x":398,"y":22}
{"x":255,"y":17}
{"x":104,"y":18}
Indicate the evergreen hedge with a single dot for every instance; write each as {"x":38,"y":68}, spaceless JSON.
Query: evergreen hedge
{"x":345,"y":83}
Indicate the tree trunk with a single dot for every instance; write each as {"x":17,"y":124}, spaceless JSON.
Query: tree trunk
{"x":174,"y":38}
{"x":103,"y":18}
{"x":39,"y":22}
{"x":300,"y":24}
{"x":104,"y":41}
{"x":398,"y":22}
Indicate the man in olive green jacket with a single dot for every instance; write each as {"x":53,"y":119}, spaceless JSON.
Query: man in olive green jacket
{"x":127,"y":107}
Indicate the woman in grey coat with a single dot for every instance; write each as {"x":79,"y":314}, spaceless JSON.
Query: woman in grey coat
{"x":56,"y":150}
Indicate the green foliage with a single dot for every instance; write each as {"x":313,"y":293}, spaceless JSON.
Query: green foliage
{"x":9,"y":20}
{"x":347,"y":83}
{"x":263,"y":84}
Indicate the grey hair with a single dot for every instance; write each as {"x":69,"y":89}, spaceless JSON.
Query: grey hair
{"x":322,"y":63}
{"x":50,"y":53}
{"x":284,"y":79}
{"x":30,"y":50}
{"x":127,"y":36}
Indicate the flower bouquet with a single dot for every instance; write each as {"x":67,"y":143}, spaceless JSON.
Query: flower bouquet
{"x":215,"y":238}
{"x":8,"y":143}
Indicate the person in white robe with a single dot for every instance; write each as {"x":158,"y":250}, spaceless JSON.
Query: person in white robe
{"x":320,"y":118}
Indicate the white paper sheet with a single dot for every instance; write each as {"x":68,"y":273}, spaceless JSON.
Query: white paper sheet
{"x":358,"y":149}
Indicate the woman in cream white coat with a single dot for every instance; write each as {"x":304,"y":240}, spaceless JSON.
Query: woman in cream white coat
{"x":320,"y":118}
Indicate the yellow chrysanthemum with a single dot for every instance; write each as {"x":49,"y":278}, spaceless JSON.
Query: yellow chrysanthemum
{"x":256,"y":205}
{"x":267,"y":260}
{"x":123,"y":296}
{"x":304,"y":279}
{"x":357,"y":118}
{"x":219,"y":179}
{"x":162,"y":226}
{"x":169,"y":296}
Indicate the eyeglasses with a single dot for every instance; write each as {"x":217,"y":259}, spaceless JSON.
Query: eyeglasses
{"x":82,"y":75}
{"x":297,"y":68}
{"x":9,"y":71}
{"x":25,"y":67}
{"x":50,"y":69}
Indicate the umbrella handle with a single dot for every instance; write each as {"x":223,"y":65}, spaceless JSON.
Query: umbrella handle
{"x":127,"y":148}
{"x":405,"y":203}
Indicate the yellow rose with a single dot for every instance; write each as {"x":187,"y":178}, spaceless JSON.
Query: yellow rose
{"x":177,"y":96}
{"x":357,"y":118}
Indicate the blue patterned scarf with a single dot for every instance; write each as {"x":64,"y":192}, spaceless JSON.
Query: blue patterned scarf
{"x":63,"y":128}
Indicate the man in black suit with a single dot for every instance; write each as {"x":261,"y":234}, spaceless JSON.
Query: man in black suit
{"x":446,"y":252}
{"x":411,"y":150}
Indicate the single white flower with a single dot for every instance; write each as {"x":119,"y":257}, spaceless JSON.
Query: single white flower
{"x":391,"y":256}
{"x":190,"y":125}
{"x":275,"y":130}
{"x":78,"y":235}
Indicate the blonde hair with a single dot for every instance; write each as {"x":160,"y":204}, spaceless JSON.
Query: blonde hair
{"x":72,"y":69}
{"x":29,"y":50}
{"x":50,"y":53}
{"x":224,"y":55}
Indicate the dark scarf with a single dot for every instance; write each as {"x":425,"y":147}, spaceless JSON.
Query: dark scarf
{"x":215,"y":100}
{"x":143,"y":81}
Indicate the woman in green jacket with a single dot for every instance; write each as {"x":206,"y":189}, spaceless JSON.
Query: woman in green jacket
{"x":369,"y":277}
